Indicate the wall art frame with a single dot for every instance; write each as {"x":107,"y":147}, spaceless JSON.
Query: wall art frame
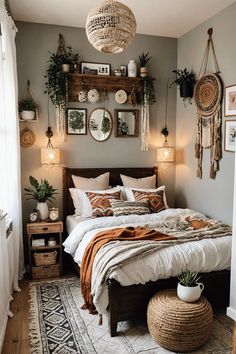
{"x":230,"y":100}
{"x":126,"y":123}
{"x":95,"y":68}
{"x":76,"y":121}
{"x":230,"y":135}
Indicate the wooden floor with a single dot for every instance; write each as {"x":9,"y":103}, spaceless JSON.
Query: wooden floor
{"x":17,"y":332}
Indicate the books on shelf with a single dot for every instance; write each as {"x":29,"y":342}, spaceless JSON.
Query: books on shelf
{"x":38,"y":242}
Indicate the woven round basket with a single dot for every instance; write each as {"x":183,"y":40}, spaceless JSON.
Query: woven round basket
{"x":208,"y":94}
{"x":27,"y":137}
{"x":177,"y":325}
{"x":110,"y":27}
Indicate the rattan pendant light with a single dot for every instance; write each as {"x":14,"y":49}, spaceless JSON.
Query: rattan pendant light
{"x":110,"y":27}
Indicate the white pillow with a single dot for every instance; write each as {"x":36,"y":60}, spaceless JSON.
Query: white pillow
{"x":145,"y":182}
{"x":130,"y":195}
{"x":82,"y":203}
{"x":99,"y":183}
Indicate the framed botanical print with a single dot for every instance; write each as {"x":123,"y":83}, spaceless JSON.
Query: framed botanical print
{"x":76,"y":121}
{"x":230,"y":100}
{"x":230,"y":135}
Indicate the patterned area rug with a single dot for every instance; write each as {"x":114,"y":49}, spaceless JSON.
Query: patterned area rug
{"x":59,"y":326}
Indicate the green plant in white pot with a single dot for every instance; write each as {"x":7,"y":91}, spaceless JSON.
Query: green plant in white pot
{"x":27,"y":108}
{"x":189,"y":289}
{"x":41,"y":192}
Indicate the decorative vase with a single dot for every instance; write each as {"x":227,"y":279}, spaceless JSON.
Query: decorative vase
{"x":189,"y":293}
{"x":132,"y":69}
{"x":186,"y":89}
{"x":66,"y":68}
{"x":143,"y":71}
{"x":27,"y":115}
{"x":42,"y":210}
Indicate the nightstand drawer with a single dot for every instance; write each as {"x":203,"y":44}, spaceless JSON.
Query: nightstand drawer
{"x":44,"y":228}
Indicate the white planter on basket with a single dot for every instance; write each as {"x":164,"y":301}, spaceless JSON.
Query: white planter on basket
{"x":43,"y":210}
{"x":189,"y":294}
{"x":27,"y":115}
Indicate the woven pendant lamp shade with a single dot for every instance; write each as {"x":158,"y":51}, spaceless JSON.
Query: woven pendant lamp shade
{"x":110,"y":27}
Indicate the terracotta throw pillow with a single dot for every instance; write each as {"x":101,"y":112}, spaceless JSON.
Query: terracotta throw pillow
{"x":100,"y":203}
{"x":155,"y":199}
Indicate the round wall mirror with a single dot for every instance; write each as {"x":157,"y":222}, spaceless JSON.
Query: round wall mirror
{"x":100,"y":124}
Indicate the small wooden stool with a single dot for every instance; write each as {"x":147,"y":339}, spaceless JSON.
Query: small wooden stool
{"x":177,"y":325}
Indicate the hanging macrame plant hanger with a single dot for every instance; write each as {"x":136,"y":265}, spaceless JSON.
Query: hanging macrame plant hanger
{"x":208,"y":98}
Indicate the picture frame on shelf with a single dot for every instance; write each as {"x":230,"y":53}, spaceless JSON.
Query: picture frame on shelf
{"x":76,"y":121}
{"x":230,"y":135}
{"x":95,"y":68}
{"x":230,"y":100}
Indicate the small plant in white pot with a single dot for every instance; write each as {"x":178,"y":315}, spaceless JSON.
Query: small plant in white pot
{"x":27,"y":108}
{"x":41,"y":192}
{"x":189,"y":289}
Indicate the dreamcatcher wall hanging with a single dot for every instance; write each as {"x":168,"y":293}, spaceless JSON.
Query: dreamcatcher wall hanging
{"x":208,"y":98}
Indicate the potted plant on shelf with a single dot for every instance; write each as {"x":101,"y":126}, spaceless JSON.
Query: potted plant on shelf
{"x":144,"y":59}
{"x":27,"y":108}
{"x":56,"y":76}
{"x":185,"y":80}
{"x":41,"y":192}
{"x":189,"y":289}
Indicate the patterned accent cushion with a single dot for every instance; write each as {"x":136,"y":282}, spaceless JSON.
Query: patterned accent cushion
{"x":100,"y":203}
{"x":155,"y":199}
{"x":121,"y":207}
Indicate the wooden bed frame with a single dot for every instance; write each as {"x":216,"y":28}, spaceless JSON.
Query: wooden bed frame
{"x":130,"y":302}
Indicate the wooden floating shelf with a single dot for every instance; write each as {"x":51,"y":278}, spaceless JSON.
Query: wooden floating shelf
{"x":101,"y":82}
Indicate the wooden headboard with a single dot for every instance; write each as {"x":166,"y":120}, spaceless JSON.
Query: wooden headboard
{"x":68,"y":208}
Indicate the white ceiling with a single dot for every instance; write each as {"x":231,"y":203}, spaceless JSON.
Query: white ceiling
{"x":170,"y":18}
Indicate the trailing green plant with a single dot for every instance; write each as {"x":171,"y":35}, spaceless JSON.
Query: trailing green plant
{"x":106,"y":124}
{"x":27,"y":104}
{"x":144,"y":59}
{"x":183,"y":76}
{"x":76,"y":120}
{"x":188,"y":278}
{"x":147,"y":91}
{"x":56,"y":78}
{"x":40,"y":191}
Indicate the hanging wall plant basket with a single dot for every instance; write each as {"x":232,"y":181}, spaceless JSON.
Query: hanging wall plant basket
{"x":186,"y":90}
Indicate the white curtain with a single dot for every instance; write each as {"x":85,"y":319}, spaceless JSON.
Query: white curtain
{"x":10,"y":185}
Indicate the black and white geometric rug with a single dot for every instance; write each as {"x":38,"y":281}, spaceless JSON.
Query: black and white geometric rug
{"x":59,"y":326}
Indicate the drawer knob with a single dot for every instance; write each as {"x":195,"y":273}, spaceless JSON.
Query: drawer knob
{"x":45,"y":228}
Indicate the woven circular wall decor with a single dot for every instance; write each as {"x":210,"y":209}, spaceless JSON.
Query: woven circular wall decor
{"x":208,"y":94}
{"x":27,"y":137}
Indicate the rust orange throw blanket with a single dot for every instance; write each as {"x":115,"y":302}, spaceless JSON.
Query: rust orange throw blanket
{"x":101,"y":238}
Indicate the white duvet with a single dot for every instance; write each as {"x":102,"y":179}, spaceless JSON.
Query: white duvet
{"x":203,"y":256}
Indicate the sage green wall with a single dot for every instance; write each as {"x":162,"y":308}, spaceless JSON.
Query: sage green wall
{"x":212,"y":197}
{"x":34,"y":41}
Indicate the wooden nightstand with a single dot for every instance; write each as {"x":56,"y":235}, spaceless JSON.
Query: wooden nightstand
{"x":44,"y":230}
